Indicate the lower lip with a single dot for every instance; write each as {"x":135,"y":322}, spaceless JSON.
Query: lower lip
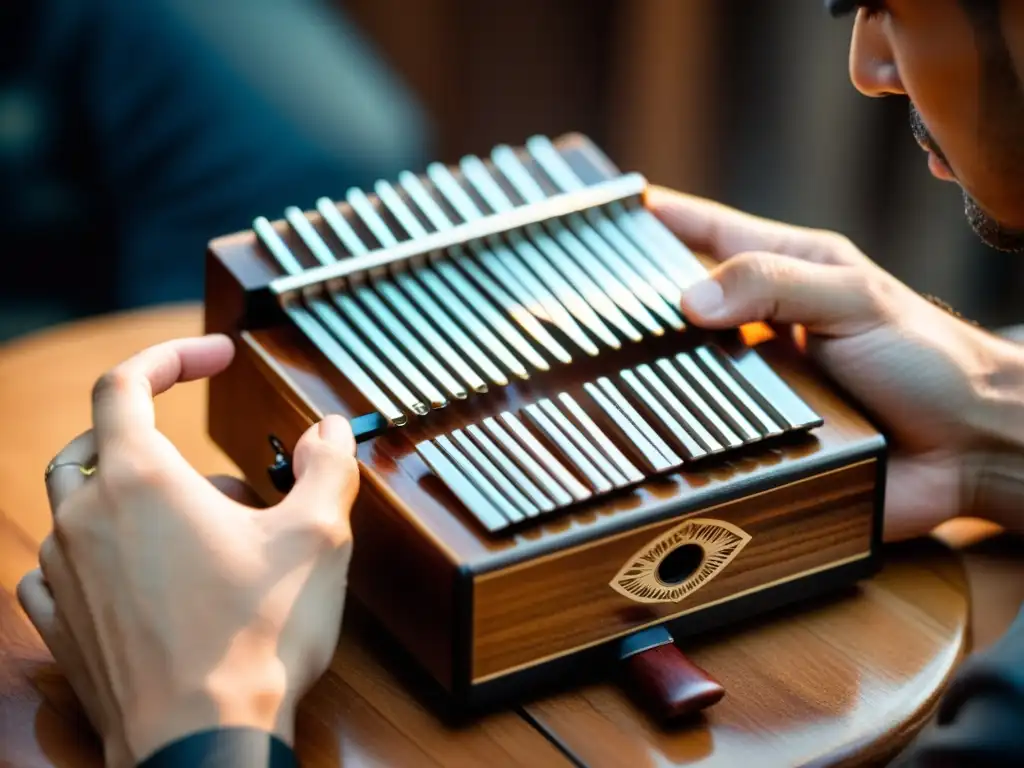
{"x":939,"y":169}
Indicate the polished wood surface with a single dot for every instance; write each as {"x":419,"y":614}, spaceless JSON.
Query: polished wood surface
{"x":360,"y":713}
{"x":835,"y":683}
{"x":552,"y":606}
{"x":848,"y":677}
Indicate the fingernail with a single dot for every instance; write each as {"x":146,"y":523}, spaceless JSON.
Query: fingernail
{"x":334,"y":429}
{"x":706,"y":297}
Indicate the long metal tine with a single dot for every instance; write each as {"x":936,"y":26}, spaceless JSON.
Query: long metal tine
{"x":340,"y":348}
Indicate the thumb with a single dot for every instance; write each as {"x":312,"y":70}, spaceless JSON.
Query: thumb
{"x":326,"y":472}
{"x":767,"y":287}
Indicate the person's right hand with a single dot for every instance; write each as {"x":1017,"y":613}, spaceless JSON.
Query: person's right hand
{"x":949,"y":395}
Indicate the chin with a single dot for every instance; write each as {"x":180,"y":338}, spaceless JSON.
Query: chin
{"x":993,"y":232}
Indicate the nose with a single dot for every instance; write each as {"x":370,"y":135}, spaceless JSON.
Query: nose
{"x":873,"y":69}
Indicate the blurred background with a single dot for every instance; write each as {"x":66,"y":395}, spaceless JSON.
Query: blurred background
{"x":132,"y":133}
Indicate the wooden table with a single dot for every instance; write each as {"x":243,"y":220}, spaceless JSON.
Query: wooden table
{"x":845,"y":681}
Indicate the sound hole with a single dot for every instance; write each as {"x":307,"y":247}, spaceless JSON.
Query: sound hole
{"x":680,"y":564}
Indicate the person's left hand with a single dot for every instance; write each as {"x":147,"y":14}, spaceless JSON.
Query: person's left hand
{"x":171,"y":605}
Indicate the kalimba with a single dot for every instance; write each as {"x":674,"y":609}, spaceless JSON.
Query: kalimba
{"x":557,"y":472}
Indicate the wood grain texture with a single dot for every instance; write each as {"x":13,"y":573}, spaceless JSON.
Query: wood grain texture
{"x":551,"y":606}
{"x":366,"y":711}
{"x":804,"y":527}
{"x":844,"y":682}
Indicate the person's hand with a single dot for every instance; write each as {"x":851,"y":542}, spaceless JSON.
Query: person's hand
{"x":935,"y":383}
{"x":172,"y":606}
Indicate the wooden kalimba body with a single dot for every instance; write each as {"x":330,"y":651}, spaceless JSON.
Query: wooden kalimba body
{"x":558,"y":473}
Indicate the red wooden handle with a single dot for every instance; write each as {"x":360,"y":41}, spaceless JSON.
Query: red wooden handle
{"x":670,"y":684}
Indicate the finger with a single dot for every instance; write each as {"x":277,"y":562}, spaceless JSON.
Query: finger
{"x":326,"y":474}
{"x":237,"y":490}
{"x":80,"y":650}
{"x":53,"y":568}
{"x":766,"y":287}
{"x":720,"y":231}
{"x":67,"y":475}
{"x":38,"y":603}
{"x":123,"y":397}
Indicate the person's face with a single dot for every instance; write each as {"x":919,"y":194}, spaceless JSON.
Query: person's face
{"x":967,"y":104}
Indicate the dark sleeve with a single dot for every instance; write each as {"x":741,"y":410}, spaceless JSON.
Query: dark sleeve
{"x":980,"y":720}
{"x":226,"y":748}
{"x":183,"y":147}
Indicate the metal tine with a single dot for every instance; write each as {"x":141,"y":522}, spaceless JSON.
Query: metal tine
{"x":385,"y":287}
{"x":698,"y":405}
{"x":341,"y":360}
{"x":423,"y":298}
{"x":526,"y":462}
{"x":350,"y":344}
{"x":508,"y":490}
{"x":598,"y":304}
{"x":580,"y":440}
{"x":445,"y":265}
{"x":600,"y":439}
{"x":510,"y":470}
{"x":693,"y":424}
{"x":547,"y":274}
{"x":677,"y":432}
{"x":505,"y":265}
{"x":649,"y":228}
{"x":775,"y":395}
{"x":464,"y":490}
{"x":623,"y":231}
{"x":649,"y":235}
{"x":440,"y":221}
{"x":412,"y":373}
{"x":651,"y":286}
{"x":639,"y":422}
{"x":588,"y":259}
{"x":565,"y":478}
{"x":726,"y":409}
{"x":415,"y":189}
{"x":764,"y":423}
{"x":478,"y":479}
{"x":570,"y":452}
{"x":361,"y":205}
{"x":633,"y":439}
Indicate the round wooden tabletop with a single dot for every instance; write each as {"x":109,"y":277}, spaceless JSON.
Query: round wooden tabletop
{"x":843,"y":681}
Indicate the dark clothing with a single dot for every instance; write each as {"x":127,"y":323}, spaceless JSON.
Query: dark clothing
{"x":227,"y":748}
{"x":126,"y":144}
{"x":980,"y":721}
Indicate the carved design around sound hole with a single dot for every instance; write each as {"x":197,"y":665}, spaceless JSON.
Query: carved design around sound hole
{"x":680,"y":562}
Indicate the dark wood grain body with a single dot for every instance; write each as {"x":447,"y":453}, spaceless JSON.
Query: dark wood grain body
{"x":486,"y":615}
{"x":561,"y":603}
